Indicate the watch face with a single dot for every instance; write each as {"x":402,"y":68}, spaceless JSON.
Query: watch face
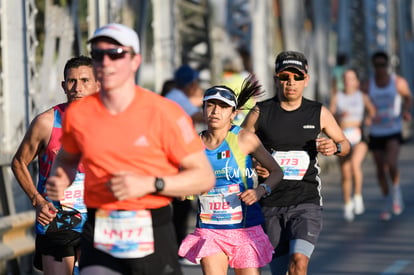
{"x":159,"y":184}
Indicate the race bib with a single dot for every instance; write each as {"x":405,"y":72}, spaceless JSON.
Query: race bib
{"x":293,"y":163}
{"x":353,"y":134}
{"x":74,"y":194}
{"x":124,"y":234}
{"x":221,"y":206}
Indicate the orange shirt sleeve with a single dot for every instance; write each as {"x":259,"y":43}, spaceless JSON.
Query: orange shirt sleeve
{"x":178,"y":134}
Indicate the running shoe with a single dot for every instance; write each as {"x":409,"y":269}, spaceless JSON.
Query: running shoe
{"x":349,"y":211}
{"x":386,"y":209}
{"x":397,"y":200}
{"x":358,"y":205}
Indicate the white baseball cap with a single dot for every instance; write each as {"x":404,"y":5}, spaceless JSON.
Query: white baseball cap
{"x":122,"y":34}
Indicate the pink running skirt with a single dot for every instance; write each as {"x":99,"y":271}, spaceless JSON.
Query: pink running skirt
{"x":245,"y":247}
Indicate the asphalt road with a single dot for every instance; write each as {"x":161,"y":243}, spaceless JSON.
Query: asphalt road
{"x":366,"y":246}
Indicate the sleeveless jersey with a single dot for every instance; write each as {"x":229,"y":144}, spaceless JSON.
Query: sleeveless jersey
{"x":221,"y":207}
{"x":352,"y":105}
{"x":387,"y":101}
{"x":72,"y":211}
{"x":290,"y":137}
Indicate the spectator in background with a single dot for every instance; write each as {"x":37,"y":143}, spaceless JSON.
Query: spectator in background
{"x":392,"y":99}
{"x":167,"y":86}
{"x":187,"y":92}
{"x":349,"y":107}
{"x":338,"y":72}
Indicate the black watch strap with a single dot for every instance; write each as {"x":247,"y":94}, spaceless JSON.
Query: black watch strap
{"x":338,"y":148}
{"x":267,"y":189}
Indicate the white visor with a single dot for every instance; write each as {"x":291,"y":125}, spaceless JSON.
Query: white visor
{"x":218,"y":96}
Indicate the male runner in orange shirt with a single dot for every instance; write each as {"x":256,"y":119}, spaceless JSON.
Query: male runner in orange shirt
{"x":139,"y":150}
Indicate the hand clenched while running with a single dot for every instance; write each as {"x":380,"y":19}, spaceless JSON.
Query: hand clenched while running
{"x":56,"y":185}
{"x":125,"y":185}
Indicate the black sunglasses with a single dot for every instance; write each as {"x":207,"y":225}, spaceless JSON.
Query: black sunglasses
{"x":286,"y":77}
{"x":113,"y":54}
{"x":222,"y":92}
{"x":380,"y":64}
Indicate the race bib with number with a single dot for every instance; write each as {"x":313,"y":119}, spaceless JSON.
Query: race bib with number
{"x":221,"y":206}
{"x":73,"y":196}
{"x":124,"y":234}
{"x":293,"y":163}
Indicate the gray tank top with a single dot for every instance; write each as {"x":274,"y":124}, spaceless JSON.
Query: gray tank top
{"x":387,"y":102}
{"x":351,"y":106}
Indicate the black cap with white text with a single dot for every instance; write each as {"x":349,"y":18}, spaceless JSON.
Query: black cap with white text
{"x":291,"y":59}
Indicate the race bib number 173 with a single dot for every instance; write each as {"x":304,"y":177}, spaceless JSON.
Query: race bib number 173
{"x":293,"y":163}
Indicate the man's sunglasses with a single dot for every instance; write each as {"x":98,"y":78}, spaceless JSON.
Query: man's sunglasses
{"x":222,"y":92}
{"x":380,"y":64}
{"x":113,"y":54}
{"x":287,"y":76}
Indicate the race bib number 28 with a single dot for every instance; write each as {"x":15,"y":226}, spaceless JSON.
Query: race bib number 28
{"x":74,"y":194}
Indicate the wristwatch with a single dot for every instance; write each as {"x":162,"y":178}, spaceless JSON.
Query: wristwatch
{"x":338,"y":148}
{"x":159,"y":184}
{"x":267,"y":189}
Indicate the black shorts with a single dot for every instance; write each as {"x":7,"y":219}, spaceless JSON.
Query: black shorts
{"x":163,"y":261}
{"x":57,"y":244}
{"x":285,"y":224}
{"x":379,"y":143}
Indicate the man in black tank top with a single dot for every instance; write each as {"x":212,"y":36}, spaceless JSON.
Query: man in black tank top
{"x":289,"y":126}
